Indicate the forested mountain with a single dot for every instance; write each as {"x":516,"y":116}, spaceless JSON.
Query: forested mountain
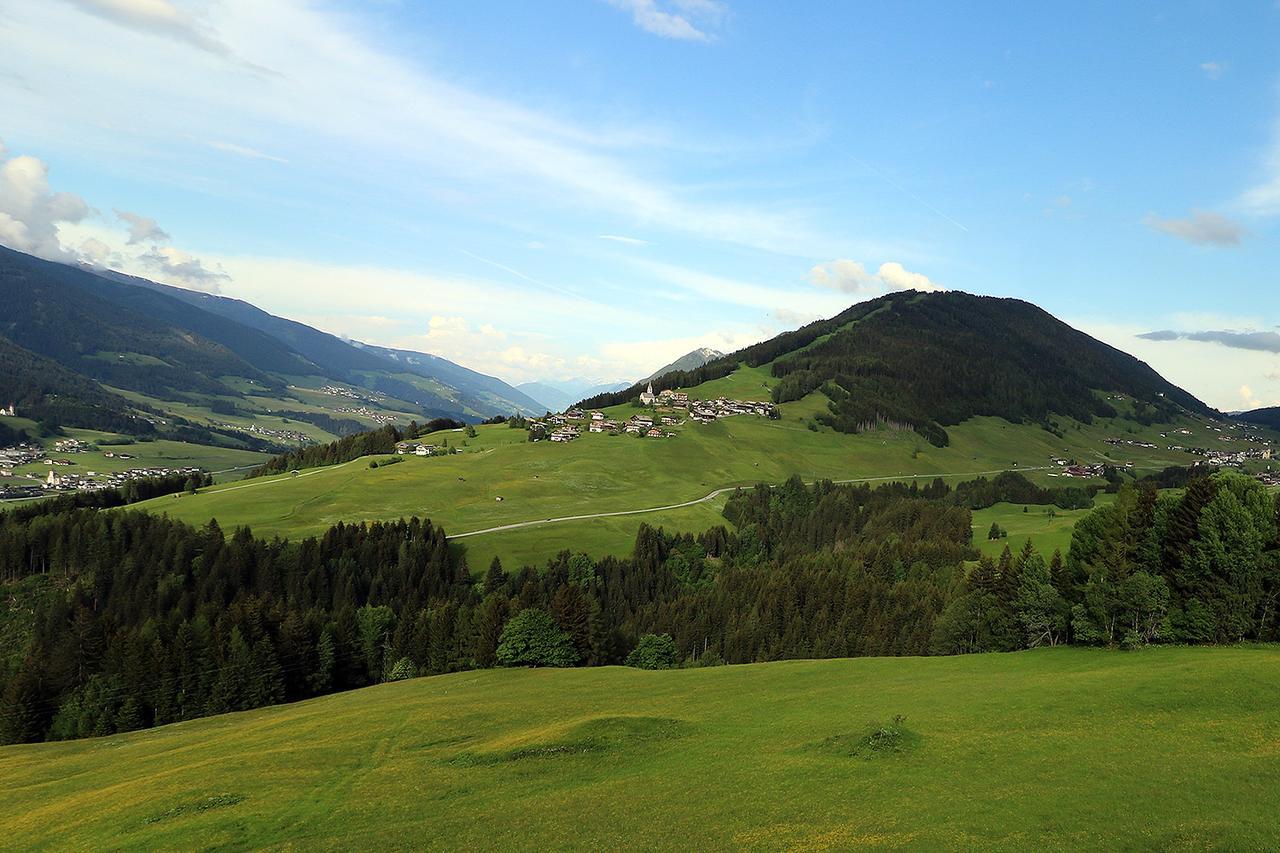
{"x":688,"y":361}
{"x":931,"y":360}
{"x":44,"y":391}
{"x":175,"y":344}
{"x":1263,"y":417}
{"x":124,"y":336}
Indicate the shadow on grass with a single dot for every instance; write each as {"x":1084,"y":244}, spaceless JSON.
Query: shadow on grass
{"x":597,"y":735}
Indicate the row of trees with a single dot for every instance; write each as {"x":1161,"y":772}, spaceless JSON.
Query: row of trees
{"x":1202,"y":566}
{"x":120,"y":620}
{"x":349,"y":447}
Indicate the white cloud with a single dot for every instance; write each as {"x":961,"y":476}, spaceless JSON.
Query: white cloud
{"x":846,"y":276}
{"x":1202,"y":228}
{"x":142,"y":229}
{"x":349,"y":109}
{"x":1211,"y":373}
{"x":158,"y":17}
{"x":1250,"y":399}
{"x":689,"y":22}
{"x":1213,"y":69}
{"x":1263,"y":199}
{"x":175,"y":266}
{"x":630,"y":241}
{"x":31,"y":213}
{"x":245,"y":151}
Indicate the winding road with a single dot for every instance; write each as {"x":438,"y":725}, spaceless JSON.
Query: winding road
{"x":715,"y":494}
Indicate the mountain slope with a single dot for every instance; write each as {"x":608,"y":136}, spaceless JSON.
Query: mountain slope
{"x":371,"y":366}
{"x":549,"y":397}
{"x":477,"y":390}
{"x":931,"y":360}
{"x":688,"y":361}
{"x":43,"y":390}
{"x":1269,"y":417}
{"x":124,"y":336}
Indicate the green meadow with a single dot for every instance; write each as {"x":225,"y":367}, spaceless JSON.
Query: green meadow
{"x":1048,"y":528}
{"x":1056,"y":749}
{"x":602,"y":474}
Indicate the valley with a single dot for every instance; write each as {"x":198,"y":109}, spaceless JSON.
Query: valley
{"x":599,"y":473}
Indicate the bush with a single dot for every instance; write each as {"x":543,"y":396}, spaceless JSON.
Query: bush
{"x":654,"y":651}
{"x":532,"y":638}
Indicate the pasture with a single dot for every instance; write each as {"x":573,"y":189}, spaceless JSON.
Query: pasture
{"x":1055,"y":749}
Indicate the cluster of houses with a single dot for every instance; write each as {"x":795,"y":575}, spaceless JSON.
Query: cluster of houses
{"x":670,"y":408}
{"x":418,"y":448}
{"x":1074,"y":469}
{"x":380,"y":418}
{"x":282,"y":434}
{"x":10,"y":412}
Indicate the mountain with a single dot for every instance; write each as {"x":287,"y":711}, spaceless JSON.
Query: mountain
{"x":479,"y":391}
{"x":562,"y":394}
{"x":931,"y":360}
{"x":44,"y":391}
{"x":459,"y":392}
{"x":125,"y":336}
{"x":1269,"y":417}
{"x":688,"y":361}
{"x":186,"y":347}
{"x":550,"y":398}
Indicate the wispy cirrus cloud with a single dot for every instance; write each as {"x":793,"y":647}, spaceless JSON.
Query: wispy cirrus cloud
{"x":245,"y":151}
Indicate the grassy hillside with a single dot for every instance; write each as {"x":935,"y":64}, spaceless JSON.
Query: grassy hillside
{"x":1063,"y":749}
{"x":599,"y":473}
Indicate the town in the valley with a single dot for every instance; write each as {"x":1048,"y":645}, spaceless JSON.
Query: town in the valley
{"x":14,"y":484}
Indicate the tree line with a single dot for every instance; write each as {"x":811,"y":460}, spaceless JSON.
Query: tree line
{"x":120,"y":620}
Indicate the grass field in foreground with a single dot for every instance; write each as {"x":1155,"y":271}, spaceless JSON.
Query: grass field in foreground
{"x":599,"y":473}
{"x":1062,"y":749}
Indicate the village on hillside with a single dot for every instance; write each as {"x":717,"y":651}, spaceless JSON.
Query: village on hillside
{"x":666,"y":409}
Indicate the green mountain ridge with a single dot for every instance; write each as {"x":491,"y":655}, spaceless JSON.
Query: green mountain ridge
{"x":932,"y":360}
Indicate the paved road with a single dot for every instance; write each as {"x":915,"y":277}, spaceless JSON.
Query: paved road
{"x":717,"y":493}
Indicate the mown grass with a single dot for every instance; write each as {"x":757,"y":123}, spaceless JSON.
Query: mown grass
{"x":1061,"y":749}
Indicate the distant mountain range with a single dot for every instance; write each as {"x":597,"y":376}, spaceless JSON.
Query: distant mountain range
{"x":561,"y":394}
{"x":107,"y":330}
{"x":688,"y":361}
{"x":558,"y":395}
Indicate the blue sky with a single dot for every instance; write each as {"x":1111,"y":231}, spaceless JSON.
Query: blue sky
{"x":589,"y":188}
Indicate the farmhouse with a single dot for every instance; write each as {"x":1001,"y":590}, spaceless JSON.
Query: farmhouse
{"x":566,"y":433}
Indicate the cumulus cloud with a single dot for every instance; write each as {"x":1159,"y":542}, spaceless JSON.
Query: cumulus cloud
{"x":1256,"y":341}
{"x":1250,"y":399}
{"x":848,"y":276}
{"x":687,"y":20}
{"x":177,"y":267}
{"x":142,"y":229}
{"x":1203,"y":228}
{"x":1213,"y":70}
{"x":30,"y":212}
